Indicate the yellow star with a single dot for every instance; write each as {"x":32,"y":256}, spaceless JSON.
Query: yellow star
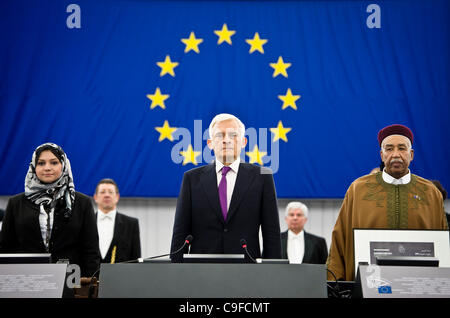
{"x":167,"y":66}
{"x":190,"y":155}
{"x":256,"y":155}
{"x":157,"y":99}
{"x":165,"y":131}
{"x":280,"y":67}
{"x":192,"y":43}
{"x":256,"y":44}
{"x":224,"y":34}
{"x":280,"y":132}
{"x":289,"y":99}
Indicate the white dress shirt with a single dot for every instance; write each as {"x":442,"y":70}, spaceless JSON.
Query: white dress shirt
{"x":105,"y":227}
{"x":296,"y":247}
{"x":391,"y":180}
{"x":231,"y":177}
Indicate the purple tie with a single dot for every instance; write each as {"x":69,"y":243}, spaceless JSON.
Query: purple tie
{"x":223,"y":191}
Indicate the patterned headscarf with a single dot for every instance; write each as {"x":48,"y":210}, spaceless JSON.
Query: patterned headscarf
{"x":48,"y":194}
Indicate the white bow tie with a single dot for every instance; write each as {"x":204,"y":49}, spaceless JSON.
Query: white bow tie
{"x":105,"y":217}
{"x":295,"y":237}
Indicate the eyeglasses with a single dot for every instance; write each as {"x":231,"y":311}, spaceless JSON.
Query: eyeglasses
{"x":221,"y":135}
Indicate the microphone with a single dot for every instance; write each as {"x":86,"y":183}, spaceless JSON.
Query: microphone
{"x":188,"y":240}
{"x":244,"y":246}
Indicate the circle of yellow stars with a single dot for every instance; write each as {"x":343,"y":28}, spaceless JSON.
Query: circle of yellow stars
{"x":224,"y":35}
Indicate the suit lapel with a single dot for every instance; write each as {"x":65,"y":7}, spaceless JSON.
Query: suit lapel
{"x":243,"y":181}
{"x":209,"y":183}
{"x":117,"y":226}
{"x":308,"y":249}
{"x":284,"y":245}
{"x":37,"y":226}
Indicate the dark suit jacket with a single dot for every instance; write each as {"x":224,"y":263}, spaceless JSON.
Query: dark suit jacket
{"x":316,"y":251}
{"x":126,"y":239}
{"x":253,"y":204}
{"x":75,"y":238}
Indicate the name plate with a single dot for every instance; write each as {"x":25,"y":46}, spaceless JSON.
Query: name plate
{"x":403,"y":249}
{"x":32,"y":280}
{"x":375,"y":281}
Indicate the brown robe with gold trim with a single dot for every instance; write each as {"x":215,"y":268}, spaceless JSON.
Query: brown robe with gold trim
{"x":370,"y":202}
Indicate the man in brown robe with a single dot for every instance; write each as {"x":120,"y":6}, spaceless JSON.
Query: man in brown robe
{"x":390,"y":199}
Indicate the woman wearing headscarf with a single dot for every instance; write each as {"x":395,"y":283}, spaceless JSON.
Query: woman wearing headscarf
{"x":50,"y":216}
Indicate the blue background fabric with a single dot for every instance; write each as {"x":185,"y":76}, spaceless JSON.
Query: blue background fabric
{"x":86,"y":88}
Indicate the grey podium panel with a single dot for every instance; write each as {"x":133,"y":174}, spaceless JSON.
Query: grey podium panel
{"x":32,"y":280}
{"x":153,"y":280}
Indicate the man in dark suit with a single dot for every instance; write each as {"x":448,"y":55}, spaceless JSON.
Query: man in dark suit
{"x":298,"y":245}
{"x":226,"y":201}
{"x":119,"y":238}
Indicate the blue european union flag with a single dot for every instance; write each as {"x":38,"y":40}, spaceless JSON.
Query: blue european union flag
{"x":128,"y":88}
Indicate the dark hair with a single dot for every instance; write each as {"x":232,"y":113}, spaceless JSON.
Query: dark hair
{"x":107,"y":181}
{"x":441,"y":188}
{"x":58,"y":152}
